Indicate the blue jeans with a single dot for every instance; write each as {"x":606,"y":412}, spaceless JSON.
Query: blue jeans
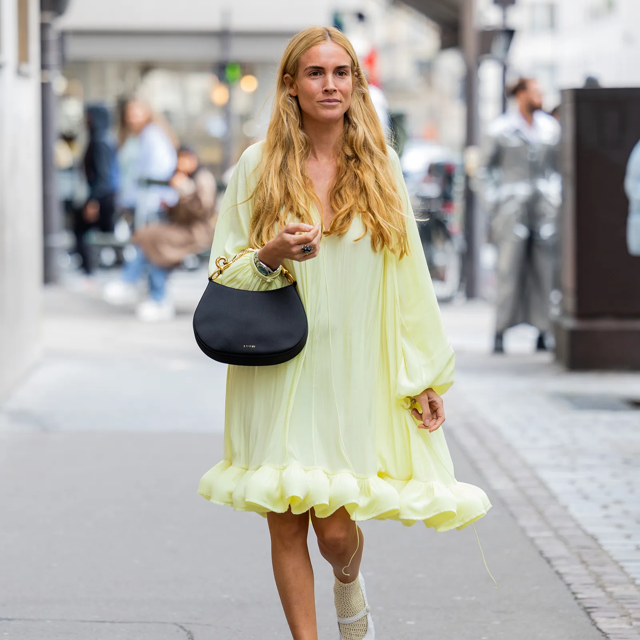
{"x":134,"y":269}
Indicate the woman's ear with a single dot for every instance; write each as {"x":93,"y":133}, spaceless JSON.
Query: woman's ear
{"x":291,"y":85}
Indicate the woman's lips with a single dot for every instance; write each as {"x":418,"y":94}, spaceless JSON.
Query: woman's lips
{"x":329,"y":101}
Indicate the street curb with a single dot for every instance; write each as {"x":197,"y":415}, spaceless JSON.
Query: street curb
{"x":599,"y":584}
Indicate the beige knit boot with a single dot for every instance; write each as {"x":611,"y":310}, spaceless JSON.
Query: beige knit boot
{"x":354,"y":619}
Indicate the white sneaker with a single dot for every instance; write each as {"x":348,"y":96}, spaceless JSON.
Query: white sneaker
{"x":119,"y":292}
{"x":152,"y":311}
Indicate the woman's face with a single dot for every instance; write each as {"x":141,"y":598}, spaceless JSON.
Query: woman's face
{"x":324,"y":82}
{"x":187,"y":162}
{"x":136,"y":116}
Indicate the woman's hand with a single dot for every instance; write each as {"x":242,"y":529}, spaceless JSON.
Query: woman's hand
{"x":432,"y":415}
{"x":178,"y":179}
{"x":287,"y":245}
{"x":91,"y":211}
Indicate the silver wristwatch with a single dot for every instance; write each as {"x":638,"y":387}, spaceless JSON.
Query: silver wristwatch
{"x":261,"y":266}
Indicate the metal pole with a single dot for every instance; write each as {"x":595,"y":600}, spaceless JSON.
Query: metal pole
{"x":504,"y":63}
{"x":470,"y":40}
{"x":51,"y":210}
{"x":225,"y":52}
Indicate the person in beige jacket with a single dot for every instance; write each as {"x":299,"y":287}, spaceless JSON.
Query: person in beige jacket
{"x":189,"y":227}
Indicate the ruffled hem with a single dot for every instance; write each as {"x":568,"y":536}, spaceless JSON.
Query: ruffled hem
{"x":267,"y":489}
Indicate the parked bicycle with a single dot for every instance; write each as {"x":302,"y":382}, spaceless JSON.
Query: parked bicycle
{"x":435,"y":183}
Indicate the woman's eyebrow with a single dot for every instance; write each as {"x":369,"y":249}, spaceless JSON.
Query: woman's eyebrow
{"x":321,"y":68}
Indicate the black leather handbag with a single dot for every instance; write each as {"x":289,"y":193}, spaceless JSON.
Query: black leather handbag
{"x":250,"y":328}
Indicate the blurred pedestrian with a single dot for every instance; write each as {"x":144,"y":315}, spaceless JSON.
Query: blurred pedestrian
{"x":632,"y":187}
{"x":70,"y":176}
{"x":148,"y":157}
{"x":101,"y":172}
{"x":128,"y":152}
{"x":381,"y":105}
{"x":348,"y":430}
{"x":522,"y":190}
{"x":161,"y":246}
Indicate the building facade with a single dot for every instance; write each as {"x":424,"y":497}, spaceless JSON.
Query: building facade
{"x":20,"y":190}
{"x":564,"y":42}
{"x":174,"y":55}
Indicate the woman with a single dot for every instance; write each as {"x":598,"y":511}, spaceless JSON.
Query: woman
{"x":155,"y":161}
{"x":149,"y":162}
{"x":349,"y":429}
{"x":160,"y":247}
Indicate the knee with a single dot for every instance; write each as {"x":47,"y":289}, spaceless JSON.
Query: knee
{"x":336,"y":538}
{"x":288,"y":529}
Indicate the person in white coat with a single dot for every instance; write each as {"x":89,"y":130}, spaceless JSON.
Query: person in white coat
{"x":632,"y":187}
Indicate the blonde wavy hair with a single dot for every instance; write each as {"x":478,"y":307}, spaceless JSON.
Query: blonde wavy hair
{"x":364,"y":184}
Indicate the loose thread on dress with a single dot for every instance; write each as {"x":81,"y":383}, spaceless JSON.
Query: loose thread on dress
{"x":486,"y":566}
{"x":344,"y":573}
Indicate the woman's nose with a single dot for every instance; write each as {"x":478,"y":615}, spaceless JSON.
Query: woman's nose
{"x":329,"y":85}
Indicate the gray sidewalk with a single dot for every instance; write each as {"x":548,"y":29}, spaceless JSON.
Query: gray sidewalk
{"x":579,"y":431}
{"x":563,"y":449}
{"x":104,"y":536}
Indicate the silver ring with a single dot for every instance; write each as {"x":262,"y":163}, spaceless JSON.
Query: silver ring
{"x":306,"y":248}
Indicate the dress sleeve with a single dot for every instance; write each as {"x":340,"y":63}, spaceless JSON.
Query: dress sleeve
{"x":232,"y":233}
{"x":427,"y":359}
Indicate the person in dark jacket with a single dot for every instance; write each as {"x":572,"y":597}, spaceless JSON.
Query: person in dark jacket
{"x":101,"y":172}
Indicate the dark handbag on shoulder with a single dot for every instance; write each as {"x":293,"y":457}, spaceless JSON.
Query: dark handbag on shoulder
{"x":250,"y":328}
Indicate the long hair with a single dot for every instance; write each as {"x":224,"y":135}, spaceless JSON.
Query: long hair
{"x":157,"y":118}
{"x":364,"y":184}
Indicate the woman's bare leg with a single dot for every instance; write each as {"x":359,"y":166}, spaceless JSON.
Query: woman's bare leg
{"x":341,"y":544}
{"x":338,"y":540}
{"x":293,"y":572}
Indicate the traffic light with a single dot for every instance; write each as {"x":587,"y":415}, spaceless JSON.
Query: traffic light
{"x":232,"y":73}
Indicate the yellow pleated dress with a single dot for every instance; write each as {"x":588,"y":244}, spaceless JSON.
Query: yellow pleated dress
{"x":332,"y":427}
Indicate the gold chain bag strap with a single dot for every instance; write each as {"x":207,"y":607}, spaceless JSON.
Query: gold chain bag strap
{"x":222,"y":263}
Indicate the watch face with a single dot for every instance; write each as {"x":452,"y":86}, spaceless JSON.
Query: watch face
{"x":261,"y":266}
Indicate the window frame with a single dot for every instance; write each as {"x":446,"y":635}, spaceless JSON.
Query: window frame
{"x":2,"y":52}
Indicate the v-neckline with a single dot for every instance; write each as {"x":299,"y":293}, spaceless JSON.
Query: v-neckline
{"x":321,"y":217}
